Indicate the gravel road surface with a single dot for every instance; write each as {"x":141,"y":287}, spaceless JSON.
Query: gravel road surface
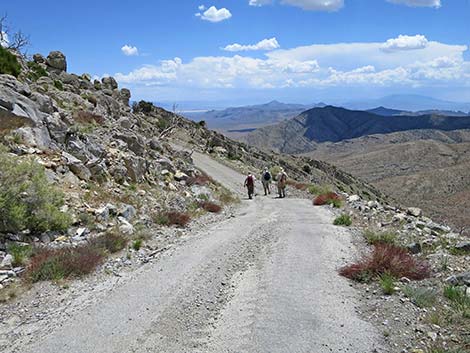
{"x":263,"y":281}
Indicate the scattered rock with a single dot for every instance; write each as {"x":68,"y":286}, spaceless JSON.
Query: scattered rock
{"x":414,"y":211}
{"x":56,"y":62}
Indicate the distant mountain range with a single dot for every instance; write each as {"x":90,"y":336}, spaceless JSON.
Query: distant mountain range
{"x":408,"y":102}
{"x":332,"y":124}
{"x":248,"y":118}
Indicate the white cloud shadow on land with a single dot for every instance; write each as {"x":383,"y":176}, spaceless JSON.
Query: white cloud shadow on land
{"x":339,"y":65}
{"x":214,"y":15}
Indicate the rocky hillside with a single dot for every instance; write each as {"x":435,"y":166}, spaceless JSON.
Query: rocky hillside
{"x":331,"y":124}
{"x":80,"y":166}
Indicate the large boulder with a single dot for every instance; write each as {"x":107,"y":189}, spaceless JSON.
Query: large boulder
{"x":56,"y":62}
{"x":76,"y":166}
{"x":136,"y":168}
{"x":39,"y":59}
{"x":125,"y":96}
{"x":109,"y":83}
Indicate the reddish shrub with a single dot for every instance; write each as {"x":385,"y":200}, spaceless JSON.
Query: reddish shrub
{"x":201,"y":180}
{"x":210,"y":206}
{"x":48,"y":264}
{"x":86,"y":117}
{"x":297,"y":185}
{"x":387,"y":258}
{"x":177,"y":218}
{"x":325,"y":199}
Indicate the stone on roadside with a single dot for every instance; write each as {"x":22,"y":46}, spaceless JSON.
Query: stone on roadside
{"x":414,"y":211}
{"x":7,"y":262}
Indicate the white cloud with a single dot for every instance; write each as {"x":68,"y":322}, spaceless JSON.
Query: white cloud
{"x":259,"y":2}
{"x":129,"y":50}
{"x":4,"y":42}
{"x":315,"y":66}
{"x":403,"y":42}
{"x":201,"y":7}
{"x":418,"y":3}
{"x":316,"y":5}
{"x":212,"y":14}
{"x":265,"y":44}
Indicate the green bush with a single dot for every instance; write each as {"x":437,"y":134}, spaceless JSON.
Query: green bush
{"x":387,"y":282}
{"x":343,"y":220}
{"x":58,"y":84}
{"x":9,"y":63}
{"x":37,"y":71}
{"x":27,"y":200}
{"x":421,"y":297}
{"x":373,"y":238}
{"x":137,"y":244}
{"x":20,"y":253}
{"x":460,"y":302}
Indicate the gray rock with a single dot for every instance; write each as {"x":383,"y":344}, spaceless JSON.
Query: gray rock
{"x":125,"y":122}
{"x":414,"y":211}
{"x":56,"y":62}
{"x":125,"y":227}
{"x":155,"y":144}
{"x":77,"y":167}
{"x":39,"y":59}
{"x":414,"y":248}
{"x":136,"y":168}
{"x":135,"y":143}
{"x":463,"y":246}
{"x":7,"y":262}
{"x":125,"y":96}
{"x":128,"y":212}
{"x":109,"y":83}
{"x":460,"y":279}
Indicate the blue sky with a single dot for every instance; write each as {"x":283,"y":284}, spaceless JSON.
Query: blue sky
{"x":291,"y":50}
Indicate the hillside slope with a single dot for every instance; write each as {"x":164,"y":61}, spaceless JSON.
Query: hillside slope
{"x":331,"y":124}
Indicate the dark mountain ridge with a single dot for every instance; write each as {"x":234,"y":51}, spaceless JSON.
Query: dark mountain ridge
{"x":333,"y":124}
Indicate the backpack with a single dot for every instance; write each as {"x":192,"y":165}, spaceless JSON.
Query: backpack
{"x":250,"y":181}
{"x":267,"y":176}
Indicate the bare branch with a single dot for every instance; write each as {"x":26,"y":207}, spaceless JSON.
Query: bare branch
{"x":17,"y":41}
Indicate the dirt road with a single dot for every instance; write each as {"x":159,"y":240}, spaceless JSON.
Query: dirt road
{"x":262,"y":281}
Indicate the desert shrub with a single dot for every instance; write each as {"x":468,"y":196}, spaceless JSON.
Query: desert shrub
{"x":307,"y":168}
{"x":226,"y":197}
{"x":387,"y":258}
{"x":210,"y":206}
{"x":387,"y":283}
{"x":36,"y":71}
{"x":111,"y":242}
{"x":58,"y":84}
{"x":297,"y":185}
{"x":201,"y":180}
{"x":20,"y":253}
{"x":202,"y":123}
{"x":343,"y":220}
{"x":421,"y":297}
{"x":329,"y":198}
{"x":27,"y":200}
{"x":169,"y":218}
{"x":460,"y":302}
{"x":9,"y":63}
{"x":85,"y":117}
{"x":137,"y":244}
{"x":142,"y":107}
{"x":49,"y":264}
{"x":374,"y":238}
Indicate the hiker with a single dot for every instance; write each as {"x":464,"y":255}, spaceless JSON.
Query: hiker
{"x":266,"y":181}
{"x":250,"y":185}
{"x":281,"y":183}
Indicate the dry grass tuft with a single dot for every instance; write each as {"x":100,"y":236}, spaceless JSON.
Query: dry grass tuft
{"x":85,"y":117}
{"x":387,"y":258}
{"x":210,"y":206}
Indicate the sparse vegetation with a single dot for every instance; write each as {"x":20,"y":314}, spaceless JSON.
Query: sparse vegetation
{"x":27,"y":200}
{"x":111,"y":242}
{"x":319,"y":190}
{"x":9,"y":63}
{"x":137,"y":244}
{"x":210,"y":206}
{"x":387,"y":258}
{"x":85,"y":117}
{"x":421,"y":297}
{"x":20,"y":253}
{"x":343,"y":220}
{"x":459,"y":300}
{"x":329,"y":198}
{"x":373,"y":238}
{"x":142,"y":107}
{"x":58,"y":84}
{"x":201,"y":180}
{"x":36,"y":71}
{"x":387,"y":283}
{"x":49,"y":264}
{"x":170,"y":218}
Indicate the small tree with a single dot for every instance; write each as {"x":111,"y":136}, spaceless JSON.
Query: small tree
{"x":17,"y":41}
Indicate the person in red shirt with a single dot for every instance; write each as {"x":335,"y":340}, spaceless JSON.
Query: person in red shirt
{"x":250,"y":185}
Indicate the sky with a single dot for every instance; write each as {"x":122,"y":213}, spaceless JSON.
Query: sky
{"x":253,"y":51}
